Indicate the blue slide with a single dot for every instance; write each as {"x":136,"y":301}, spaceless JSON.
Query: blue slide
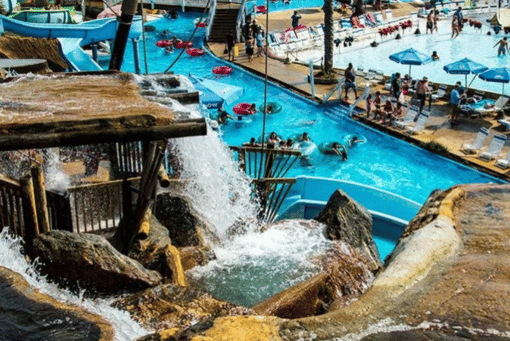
{"x":72,"y":37}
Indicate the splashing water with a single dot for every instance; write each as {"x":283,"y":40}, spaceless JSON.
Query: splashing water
{"x":11,"y":257}
{"x":55,"y":178}
{"x":218,"y":189}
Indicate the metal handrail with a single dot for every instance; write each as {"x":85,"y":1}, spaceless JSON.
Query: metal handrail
{"x":212,"y":14}
{"x":240,"y":19}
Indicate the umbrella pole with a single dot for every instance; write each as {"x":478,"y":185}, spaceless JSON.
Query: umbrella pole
{"x":410,"y":70}
{"x":465,"y":82}
{"x":472,"y":81}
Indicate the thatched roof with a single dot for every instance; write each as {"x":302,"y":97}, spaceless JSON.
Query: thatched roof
{"x":18,"y":47}
{"x":67,"y":102}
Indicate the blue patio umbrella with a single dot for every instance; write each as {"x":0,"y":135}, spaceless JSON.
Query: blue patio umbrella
{"x":410,"y":57}
{"x":465,"y":67}
{"x":497,"y":75}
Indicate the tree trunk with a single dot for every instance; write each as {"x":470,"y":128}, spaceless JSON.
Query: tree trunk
{"x":328,"y":36}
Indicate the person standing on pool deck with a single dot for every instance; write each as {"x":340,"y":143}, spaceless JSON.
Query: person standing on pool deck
{"x":430,"y":22}
{"x":230,"y":43}
{"x":350,"y":81}
{"x":503,"y":46}
{"x":422,"y":88}
{"x":295,"y":19}
{"x":396,"y":86}
{"x":455,"y":103}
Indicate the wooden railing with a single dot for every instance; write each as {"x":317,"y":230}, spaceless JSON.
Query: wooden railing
{"x":272,"y":193}
{"x":11,"y":214}
{"x":127,"y":158}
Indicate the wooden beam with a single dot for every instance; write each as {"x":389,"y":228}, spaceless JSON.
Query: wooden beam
{"x":184,"y":128}
{"x":41,"y":203}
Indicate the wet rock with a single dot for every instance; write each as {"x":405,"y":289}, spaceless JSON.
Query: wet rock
{"x":186,"y":226}
{"x":192,"y":256}
{"x":432,"y":334}
{"x":90,"y":262}
{"x":29,"y":315}
{"x":346,"y":276}
{"x":170,"y":306}
{"x":350,"y":222}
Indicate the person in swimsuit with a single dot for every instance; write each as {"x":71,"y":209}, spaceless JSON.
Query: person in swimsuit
{"x":430,"y":22}
{"x":503,"y":46}
{"x":377,"y":105}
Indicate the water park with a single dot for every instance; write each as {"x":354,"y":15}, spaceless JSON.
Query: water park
{"x":254,"y":170}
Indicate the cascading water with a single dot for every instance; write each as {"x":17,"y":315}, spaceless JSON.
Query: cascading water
{"x":252,"y":266}
{"x":11,"y":257}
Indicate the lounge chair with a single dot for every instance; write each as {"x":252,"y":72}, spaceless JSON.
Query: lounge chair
{"x":346,"y":23}
{"x":505,"y":122}
{"x":503,"y":163}
{"x":420,"y":124}
{"x":379,"y":18}
{"x":477,"y":144}
{"x":495,"y":147}
{"x":371,"y":20}
{"x":440,"y":93}
{"x":408,"y":119}
{"x":499,"y":106}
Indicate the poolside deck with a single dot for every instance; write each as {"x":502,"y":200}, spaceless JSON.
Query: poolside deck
{"x":294,"y":76}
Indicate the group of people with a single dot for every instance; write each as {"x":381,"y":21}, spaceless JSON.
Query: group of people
{"x":385,"y":113}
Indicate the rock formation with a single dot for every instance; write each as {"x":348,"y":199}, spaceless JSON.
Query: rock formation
{"x":28,"y":315}
{"x":90,"y":262}
{"x":186,"y":226}
{"x":171,"y":306}
{"x":350,"y":222}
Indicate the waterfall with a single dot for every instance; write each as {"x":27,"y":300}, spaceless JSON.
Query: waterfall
{"x":11,"y":257}
{"x":216,"y":186}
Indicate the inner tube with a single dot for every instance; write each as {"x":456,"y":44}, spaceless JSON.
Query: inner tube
{"x":164,"y":43}
{"x":275,"y":107}
{"x":261,"y":9}
{"x":295,"y":138}
{"x":243,"y":109}
{"x":222,"y":70}
{"x":184,"y":44}
{"x":327,"y":148}
{"x":195,"y":52}
{"x":200,"y":24}
{"x":361,"y":139}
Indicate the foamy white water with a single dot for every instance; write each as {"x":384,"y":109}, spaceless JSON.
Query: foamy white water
{"x":11,"y":258}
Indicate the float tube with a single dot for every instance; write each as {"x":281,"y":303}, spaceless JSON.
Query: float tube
{"x":195,"y":52}
{"x":242,"y":109}
{"x":183,"y":44}
{"x":222,"y":70}
{"x":275,"y":107}
{"x":261,"y":9}
{"x":327,"y":148}
{"x":164,"y":43}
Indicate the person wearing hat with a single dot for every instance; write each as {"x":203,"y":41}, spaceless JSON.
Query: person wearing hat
{"x":422,"y":89}
{"x":455,"y":98}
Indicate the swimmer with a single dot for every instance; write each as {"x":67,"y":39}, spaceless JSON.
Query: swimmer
{"x":289,"y":143}
{"x":305,"y":123}
{"x":223,"y":117}
{"x":503,"y":46}
{"x":269,"y":109}
{"x":252,"y":143}
{"x":434,"y":55}
{"x":273,"y":138}
{"x":342,"y":152}
{"x":353,"y":142}
{"x":304,"y":137}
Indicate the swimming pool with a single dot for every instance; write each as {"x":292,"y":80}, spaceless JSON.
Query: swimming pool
{"x":472,"y":43}
{"x":383,"y":162}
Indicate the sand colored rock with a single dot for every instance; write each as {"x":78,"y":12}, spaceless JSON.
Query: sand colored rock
{"x":242,"y":328}
{"x":170,"y":306}
{"x":70,"y":259}
{"x":22,"y":305}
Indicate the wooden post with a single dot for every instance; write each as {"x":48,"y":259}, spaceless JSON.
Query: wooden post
{"x":29,"y":212}
{"x":41,"y":204}
{"x":143,"y":230}
{"x":164,"y":180}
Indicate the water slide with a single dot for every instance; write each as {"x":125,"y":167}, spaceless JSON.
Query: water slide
{"x":73,"y":37}
{"x":7,"y":6}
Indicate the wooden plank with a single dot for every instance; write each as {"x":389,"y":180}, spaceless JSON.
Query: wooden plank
{"x":43,"y":219}
{"x":29,"y":212}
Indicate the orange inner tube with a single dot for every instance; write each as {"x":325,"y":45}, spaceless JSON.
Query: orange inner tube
{"x":222,"y":70}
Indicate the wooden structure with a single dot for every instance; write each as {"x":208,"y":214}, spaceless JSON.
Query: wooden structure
{"x":267,"y":168}
{"x":83,"y":109}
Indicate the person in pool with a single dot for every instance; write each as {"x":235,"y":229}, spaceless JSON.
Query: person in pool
{"x":338,"y":149}
{"x":273,"y":139}
{"x":289,"y":144}
{"x":253,"y":109}
{"x":223,"y":117}
{"x":353,"y":141}
{"x":304,"y":137}
{"x":252,"y":143}
{"x":269,"y":109}
{"x":503,"y":46}
{"x":434,"y":55}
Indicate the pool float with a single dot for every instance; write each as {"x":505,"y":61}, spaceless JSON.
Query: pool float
{"x":195,"y":52}
{"x":361,"y":139}
{"x":243,"y":109}
{"x":261,"y":9}
{"x":200,"y":24}
{"x":164,"y":43}
{"x":275,"y":107}
{"x":327,"y":148}
{"x":295,"y":138}
{"x":222,"y":70}
{"x":183,"y":44}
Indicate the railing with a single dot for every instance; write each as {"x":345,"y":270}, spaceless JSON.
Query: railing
{"x":11,"y":213}
{"x":271,"y":194}
{"x":338,"y":88}
{"x":261,"y":163}
{"x":127,"y":159}
{"x":212,"y":13}
{"x":240,"y":21}
{"x":96,"y":207}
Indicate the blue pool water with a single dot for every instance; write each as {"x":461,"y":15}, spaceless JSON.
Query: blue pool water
{"x":471,"y":43}
{"x":383,"y":162}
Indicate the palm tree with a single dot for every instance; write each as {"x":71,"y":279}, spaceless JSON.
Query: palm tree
{"x":328,"y":37}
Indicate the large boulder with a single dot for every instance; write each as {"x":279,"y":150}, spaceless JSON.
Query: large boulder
{"x":347,"y":220}
{"x":346,"y":276}
{"x":185,"y":225}
{"x":28,"y":314}
{"x":90,"y":262}
{"x":171,"y":306}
